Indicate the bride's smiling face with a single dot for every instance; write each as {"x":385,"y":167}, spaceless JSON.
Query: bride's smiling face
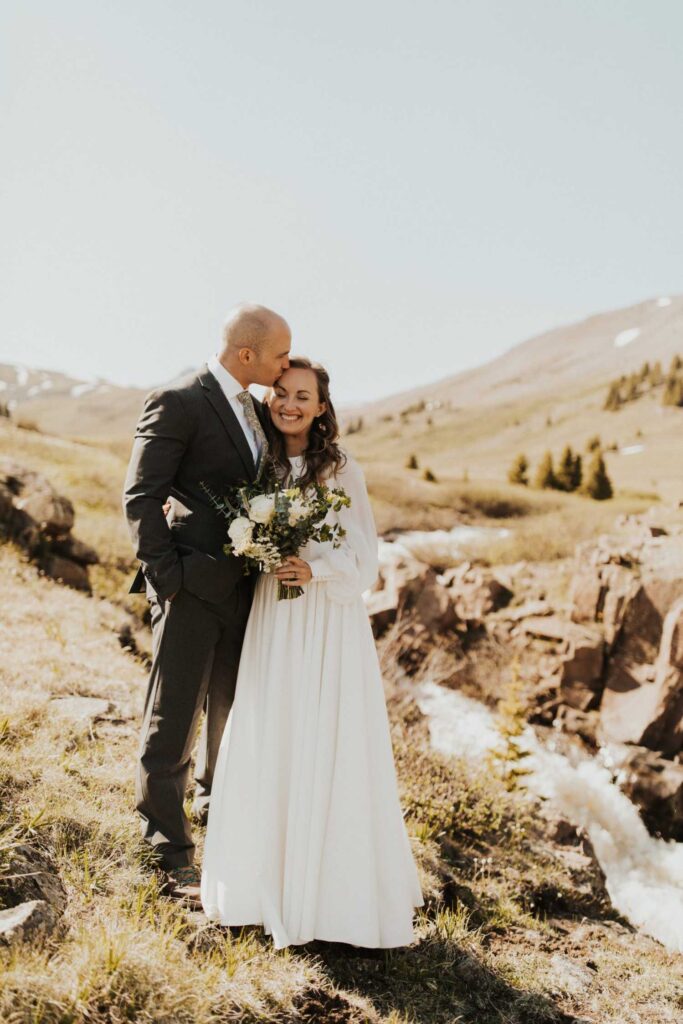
{"x":294,"y":401}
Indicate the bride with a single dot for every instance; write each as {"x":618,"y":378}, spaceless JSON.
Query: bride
{"x":305,"y":833}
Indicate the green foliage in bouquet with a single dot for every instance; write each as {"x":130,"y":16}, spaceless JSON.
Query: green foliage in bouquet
{"x":268,"y":523}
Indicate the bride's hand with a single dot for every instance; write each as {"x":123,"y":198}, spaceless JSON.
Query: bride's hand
{"x":294,"y":572}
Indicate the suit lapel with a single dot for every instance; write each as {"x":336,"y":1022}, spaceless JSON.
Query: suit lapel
{"x":214,"y":394}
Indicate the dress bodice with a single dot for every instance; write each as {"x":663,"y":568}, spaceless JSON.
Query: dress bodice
{"x":298,"y":464}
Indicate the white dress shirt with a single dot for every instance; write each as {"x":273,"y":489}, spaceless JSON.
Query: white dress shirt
{"x":231,"y":389}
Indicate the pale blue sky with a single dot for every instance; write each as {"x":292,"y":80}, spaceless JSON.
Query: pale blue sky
{"x":415,"y":185}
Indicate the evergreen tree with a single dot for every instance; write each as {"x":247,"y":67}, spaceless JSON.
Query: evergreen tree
{"x":507,"y":757}
{"x":673,"y":391}
{"x":597,"y":484}
{"x":412,"y":463}
{"x":633,"y":388}
{"x":644,"y":371}
{"x":429,"y":476}
{"x":577,"y":473}
{"x":545,"y":474}
{"x":564,"y":476}
{"x":613,"y":400}
{"x":676,"y":364}
{"x":593,"y":444}
{"x":518,"y":471}
{"x":4,"y":411}
{"x":656,"y":375}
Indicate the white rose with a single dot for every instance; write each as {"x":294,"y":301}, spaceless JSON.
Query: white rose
{"x":262,"y":508}
{"x":240,"y":532}
{"x":298,"y":509}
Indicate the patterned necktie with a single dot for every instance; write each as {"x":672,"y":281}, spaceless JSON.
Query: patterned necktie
{"x":247,"y":403}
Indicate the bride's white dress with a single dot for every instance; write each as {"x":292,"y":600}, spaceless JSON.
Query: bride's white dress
{"x":305,"y":833}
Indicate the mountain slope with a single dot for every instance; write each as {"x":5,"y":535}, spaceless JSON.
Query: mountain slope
{"x":60,"y":404}
{"x":593,"y":350}
{"x":545,"y":393}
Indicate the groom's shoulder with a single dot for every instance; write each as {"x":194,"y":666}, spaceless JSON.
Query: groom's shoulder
{"x":184,"y":387}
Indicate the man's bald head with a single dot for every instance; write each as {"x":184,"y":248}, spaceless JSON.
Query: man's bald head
{"x":256,"y":344}
{"x":251,"y":326}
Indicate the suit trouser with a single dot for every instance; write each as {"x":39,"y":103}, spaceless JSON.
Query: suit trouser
{"x":196,"y":651}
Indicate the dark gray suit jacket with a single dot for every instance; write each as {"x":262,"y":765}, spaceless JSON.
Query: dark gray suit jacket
{"x":187,"y":435}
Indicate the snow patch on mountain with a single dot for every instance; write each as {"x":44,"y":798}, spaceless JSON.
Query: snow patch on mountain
{"x":632,"y":449}
{"x":626,"y":337}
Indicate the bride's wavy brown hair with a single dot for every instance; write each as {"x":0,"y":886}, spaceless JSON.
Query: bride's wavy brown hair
{"x":323,"y":455}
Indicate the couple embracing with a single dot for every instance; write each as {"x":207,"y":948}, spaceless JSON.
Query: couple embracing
{"x":294,"y":769}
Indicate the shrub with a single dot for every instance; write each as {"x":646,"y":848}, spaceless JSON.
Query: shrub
{"x":517,"y":473}
{"x":412,"y":463}
{"x":429,"y":476}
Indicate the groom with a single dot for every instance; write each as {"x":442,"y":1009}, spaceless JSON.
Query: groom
{"x":204,"y":429}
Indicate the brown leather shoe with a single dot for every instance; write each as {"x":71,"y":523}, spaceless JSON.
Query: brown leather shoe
{"x":184,"y":885}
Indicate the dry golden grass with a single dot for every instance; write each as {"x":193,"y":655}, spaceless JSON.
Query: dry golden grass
{"x":126,"y":954}
{"x":480,"y":442}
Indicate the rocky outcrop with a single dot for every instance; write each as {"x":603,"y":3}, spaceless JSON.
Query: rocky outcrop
{"x":606,"y":665}
{"x":665,"y":729}
{"x":40,"y":521}
{"x":654,"y":784}
{"x":27,"y":921}
{"x":29,"y":875}
{"x":32,"y":896}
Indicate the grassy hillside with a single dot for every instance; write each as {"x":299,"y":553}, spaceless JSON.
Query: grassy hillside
{"x":509,"y":912}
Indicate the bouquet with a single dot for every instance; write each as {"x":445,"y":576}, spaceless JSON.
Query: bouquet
{"x":265,"y":526}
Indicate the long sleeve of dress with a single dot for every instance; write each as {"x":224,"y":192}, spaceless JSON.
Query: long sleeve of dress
{"x":352,"y":568}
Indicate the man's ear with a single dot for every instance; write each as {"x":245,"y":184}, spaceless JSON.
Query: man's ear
{"x":245,"y":356}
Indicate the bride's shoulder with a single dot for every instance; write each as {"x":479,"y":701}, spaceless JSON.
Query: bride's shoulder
{"x":350,"y":469}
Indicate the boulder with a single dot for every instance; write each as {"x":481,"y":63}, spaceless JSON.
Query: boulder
{"x":475,"y":591}
{"x":581,"y":671}
{"x":53,"y":513}
{"x":642,"y":622}
{"x":586,"y":593}
{"x":641,"y":702}
{"x":76,"y":551}
{"x":665,"y":730}
{"x":40,"y":521}
{"x":30,"y":876}
{"x":418,"y":595}
{"x":618,"y":587}
{"x":63,"y":570}
{"x":655,"y":785}
{"x":27,"y":921}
